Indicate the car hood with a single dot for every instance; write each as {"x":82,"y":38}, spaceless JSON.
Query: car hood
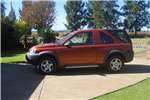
{"x":47,"y":45}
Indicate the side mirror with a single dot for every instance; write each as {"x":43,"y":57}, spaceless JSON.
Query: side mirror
{"x":67,"y":45}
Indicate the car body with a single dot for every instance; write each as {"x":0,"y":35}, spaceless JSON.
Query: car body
{"x":84,"y":47}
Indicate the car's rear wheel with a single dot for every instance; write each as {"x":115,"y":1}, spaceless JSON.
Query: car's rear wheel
{"x":115,"y":63}
{"x":47,"y":65}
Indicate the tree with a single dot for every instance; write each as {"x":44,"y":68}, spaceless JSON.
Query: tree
{"x":22,"y":31}
{"x":43,"y":14}
{"x":39,"y":15}
{"x":25,"y":23}
{"x":111,"y":14}
{"x":8,"y":39}
{"x":48,"y":35}
{"x":25,"y":13}
{"x":75,"y":11}
{"x":43,"y":19}
{"x":136,"y":15}
{"x":12,"y":15}
{"x":8,"y":34}
{"x":2,"y":7}
{"x":102,"y":14}
{"x":3,"y":35}
{"x":98,"y":14}
{"x":89,"y":15}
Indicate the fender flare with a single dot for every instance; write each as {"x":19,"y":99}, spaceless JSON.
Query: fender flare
{"x":114,"y":52}
{"x":50,"y":54}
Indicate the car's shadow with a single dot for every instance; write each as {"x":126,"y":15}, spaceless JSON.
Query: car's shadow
{"x":20,"y":81}
{"x":133,"y":68}
{"x":128,"y":69}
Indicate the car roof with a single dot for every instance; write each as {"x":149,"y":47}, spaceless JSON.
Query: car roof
{"x":82,"y":30}
{"x":116,"y":30}
{"x":88,"y":29}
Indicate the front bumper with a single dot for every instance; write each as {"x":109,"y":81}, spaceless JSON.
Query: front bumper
{"x":32,"y":58}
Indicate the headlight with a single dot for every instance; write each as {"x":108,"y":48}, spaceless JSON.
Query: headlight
{"x":32,"y":51}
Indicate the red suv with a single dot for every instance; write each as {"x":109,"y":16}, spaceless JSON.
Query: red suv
{"x":110,"y":48}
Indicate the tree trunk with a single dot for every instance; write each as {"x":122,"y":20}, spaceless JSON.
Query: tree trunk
{"x":135,"y":33}
{"x":25,"y":41}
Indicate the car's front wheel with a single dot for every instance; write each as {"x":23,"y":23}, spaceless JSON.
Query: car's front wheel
{"x":115,"y":64}
{"x":47,"y":65}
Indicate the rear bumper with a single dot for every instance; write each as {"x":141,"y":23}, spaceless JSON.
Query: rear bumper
{"x":129,"y":56}
{"x":32,"y":58}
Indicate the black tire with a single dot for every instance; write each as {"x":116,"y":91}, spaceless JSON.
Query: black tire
{"x":115,"y":67}
{"x":102,"y":67}
{"x":50,"y":65}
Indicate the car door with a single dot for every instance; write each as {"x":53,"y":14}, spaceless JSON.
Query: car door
{"x":79,"y":50}
{"x":104,"y":45}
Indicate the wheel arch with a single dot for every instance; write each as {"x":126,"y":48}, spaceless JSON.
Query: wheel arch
{"x":114,"y":53}
{"x":49,"y":54}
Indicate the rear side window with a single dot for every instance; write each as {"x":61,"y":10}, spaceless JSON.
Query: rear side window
{"x":121,"y":35}
{"x":105,"y":39}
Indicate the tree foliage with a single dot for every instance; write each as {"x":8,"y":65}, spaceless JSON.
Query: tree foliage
{"x":22,"y":30}
{"x":9,"y":36}
{"x":75,"y":11}
{"x":136,"y":15}
{"x":111,"y":14}
{"x":47,"y":34}
{"x":2,"y":7}
{"x":26,"y":12}
{"x":102,"y":14}
{"x":39,"y":14}
{"x":43,"y":14}
{"x":12,"y":14}
{"x":97,"y":14}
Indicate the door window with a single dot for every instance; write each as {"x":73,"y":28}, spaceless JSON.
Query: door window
{"x":106,"y":39}
{"x":81,"y":39}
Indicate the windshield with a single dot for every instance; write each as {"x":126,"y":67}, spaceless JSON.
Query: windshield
{"x":61,"y":41}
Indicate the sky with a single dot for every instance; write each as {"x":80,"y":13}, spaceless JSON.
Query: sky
{"x":60,"y":12}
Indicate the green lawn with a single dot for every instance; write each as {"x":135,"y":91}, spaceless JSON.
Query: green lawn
{"x":13,"y":56}
{"x":139,"y":91}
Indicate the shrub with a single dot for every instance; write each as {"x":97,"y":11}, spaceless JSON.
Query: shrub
{"x":47,"y":35}
{"x":9,"y":34}
{"x":139,"y":34}
{"x":23,"y":31}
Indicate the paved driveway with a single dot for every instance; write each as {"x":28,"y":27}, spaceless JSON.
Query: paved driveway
{"x":21,"y":82}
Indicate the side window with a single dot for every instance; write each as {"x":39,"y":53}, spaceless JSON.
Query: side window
{"x":81,"y":39}
{"x":106,"y":39}
{"x":122,"y":35}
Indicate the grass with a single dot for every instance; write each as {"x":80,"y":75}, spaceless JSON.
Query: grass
{"x":13,"y":56}
{"x":139,"y":91}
